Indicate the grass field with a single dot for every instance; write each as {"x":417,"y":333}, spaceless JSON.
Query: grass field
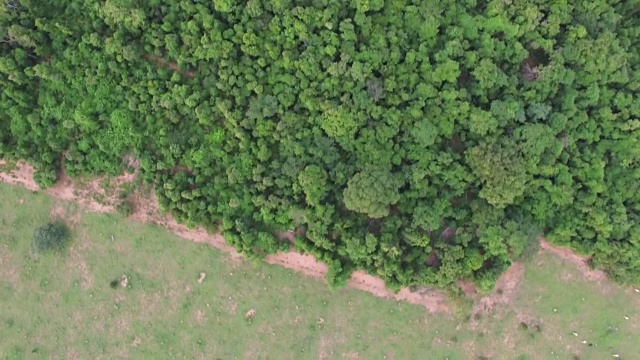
{"x":62,"y":306}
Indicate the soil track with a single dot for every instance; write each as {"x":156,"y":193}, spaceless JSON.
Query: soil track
{"x":146,"y":210}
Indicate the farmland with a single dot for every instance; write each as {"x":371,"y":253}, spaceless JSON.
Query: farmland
{"x":63,"y":305}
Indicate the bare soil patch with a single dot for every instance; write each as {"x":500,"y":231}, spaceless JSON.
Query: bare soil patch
{"x":21,"y":174}
{"x":432,"y":300}
{"x":304,"y":263}
{"x":158,"y":60}
{"x":59,"y":213}
{"x":468,"y":288}
{"x":88,"y":193}
{"x":504,"y":292}
{"x":290,"y":235}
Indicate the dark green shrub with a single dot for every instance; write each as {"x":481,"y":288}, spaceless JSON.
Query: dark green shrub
{"x":114,"y":283}
{"x":50,"y":237}
{"x":125,"y":209}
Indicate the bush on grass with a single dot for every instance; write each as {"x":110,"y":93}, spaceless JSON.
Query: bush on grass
{"x":50,"y":237}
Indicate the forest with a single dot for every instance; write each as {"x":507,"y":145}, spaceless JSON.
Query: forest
{"x":424,"y":141}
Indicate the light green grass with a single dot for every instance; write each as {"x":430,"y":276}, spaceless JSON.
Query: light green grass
{"x":61,"y":305}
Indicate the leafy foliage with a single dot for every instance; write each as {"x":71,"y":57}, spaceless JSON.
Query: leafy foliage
{"x":416,"y":140}
{"x":371,"y":191}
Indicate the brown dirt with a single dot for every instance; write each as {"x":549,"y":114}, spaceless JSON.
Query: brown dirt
{"x":303,"y":263}
{"x":504,"y":292}
{"x":433,"y":301}
{"x":22,"y":174}
{"x":581,"y":262}
{"x":168,"y":64}
{"x":59,"y":213}
{"x":84,"y":193}
{"x":432,"y":260}
{"x":290,"y":235}
{"x":468,"y":288}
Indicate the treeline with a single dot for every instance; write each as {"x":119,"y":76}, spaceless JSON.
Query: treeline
{"x":424,"y":141}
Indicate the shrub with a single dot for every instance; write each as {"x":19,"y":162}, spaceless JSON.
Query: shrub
{"x":45,"y":178}
{"x":125,"y":209}
{"x":50,"y":237}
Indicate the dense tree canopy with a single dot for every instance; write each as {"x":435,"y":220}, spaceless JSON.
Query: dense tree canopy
{"x":421,"y":140}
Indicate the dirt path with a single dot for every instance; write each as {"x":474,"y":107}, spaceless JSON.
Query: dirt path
{"x":146,"y":211}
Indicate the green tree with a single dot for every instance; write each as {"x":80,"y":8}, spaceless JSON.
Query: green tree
{"x":500,"y":170}
{"x":313,"y":181}
{"x":371,"y":192}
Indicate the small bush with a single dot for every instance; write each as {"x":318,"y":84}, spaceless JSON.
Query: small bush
{"x":45,"y":178}
{"x":50,"y":237}
{"x":125,"y":209}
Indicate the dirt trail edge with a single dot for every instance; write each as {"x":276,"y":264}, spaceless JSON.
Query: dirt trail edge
{"x":146,"y":211}
{"x":581,"y":262}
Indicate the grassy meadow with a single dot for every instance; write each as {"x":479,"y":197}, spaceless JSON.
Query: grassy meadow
{"x":62,"y":306}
